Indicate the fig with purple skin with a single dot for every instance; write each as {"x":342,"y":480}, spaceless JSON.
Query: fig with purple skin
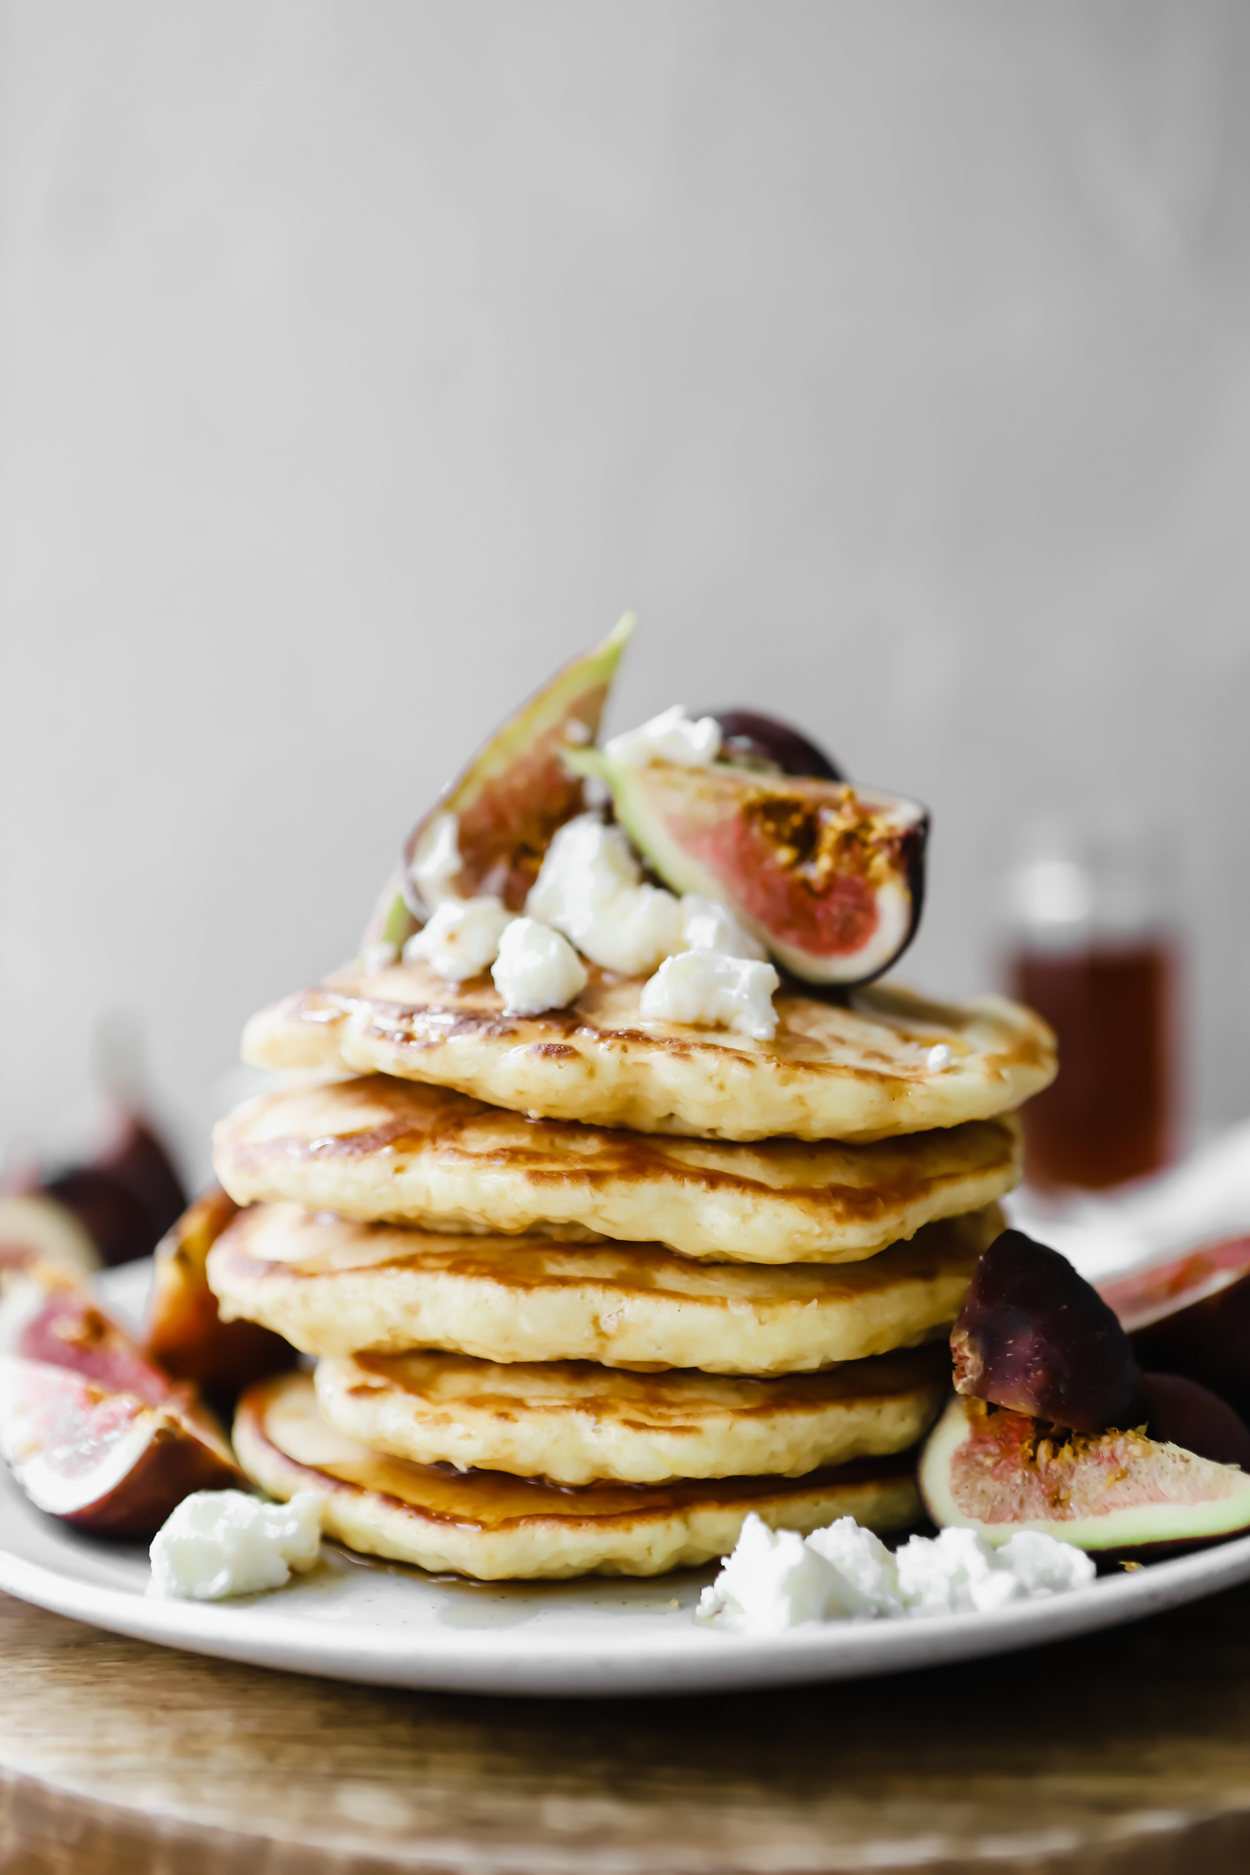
{"x":93,"y":1432}
{"x":1191,"y":1316}
{"x":769,"y":747}
{"x":1034,"y":1336}
{"x":1181,"y":1412}
{"x":1118,"y":1493}
{"x":829,"y":877}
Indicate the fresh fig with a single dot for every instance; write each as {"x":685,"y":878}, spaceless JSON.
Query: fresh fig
{"x":106,"y":1461}
{"x":829,"y":877}
{"x":1034,"y":1336}
{"x":1118,"y":1493}
{"x":128,"y":1196}
{"x":495,"y":822}
{"x":1180,"y":1412}
{"x":184,"y":1334}
{"x":1191,"y":1316}
{"x":769,"y":747}
{"x":37,"y":1229}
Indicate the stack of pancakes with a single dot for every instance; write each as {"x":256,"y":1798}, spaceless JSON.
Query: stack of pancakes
{"x":667,"y":1277}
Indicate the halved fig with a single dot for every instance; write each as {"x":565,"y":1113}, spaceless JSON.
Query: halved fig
{"x":107,"y":1462}
{"x":829,"y":877}
{"x":1034,"y":1336}
{"x":1118,"y":1494}
{"x":767,"y":746}
{"x":184,"y":1334}
{"x":500,"y":814}
{"x":94,"y":1432}
{"x":1191,"y":1316}
{"x":37,"y":1229}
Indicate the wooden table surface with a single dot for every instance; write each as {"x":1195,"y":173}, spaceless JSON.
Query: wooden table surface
{"x":1128,"y":1752}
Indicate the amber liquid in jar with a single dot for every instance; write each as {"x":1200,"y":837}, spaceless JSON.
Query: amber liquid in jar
{"x":1107,"y":1117}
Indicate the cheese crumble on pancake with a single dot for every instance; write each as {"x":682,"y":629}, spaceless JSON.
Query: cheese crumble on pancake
{"x":855,"y":1067}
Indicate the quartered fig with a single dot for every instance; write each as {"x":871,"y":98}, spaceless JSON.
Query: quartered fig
{"x":487,"y":833}
{"x":829,"y":877}
{"x":1191,"y":1316}
{"x":93,"y":1431}
{"x":184,"y":1334}
{"x":1180,"y":1412}
{"x":769,"y":747}
{"x":1034,"y":1336}
{"x":1118,"y":1493}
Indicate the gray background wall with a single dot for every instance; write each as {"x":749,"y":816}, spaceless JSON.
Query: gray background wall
{"x":358,"y":363}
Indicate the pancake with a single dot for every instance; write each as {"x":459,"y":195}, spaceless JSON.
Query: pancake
{"x":492,"y":1526}
{"x":333,"y":1287}
{"x":380,"y":1149}
{"x":573,"y":1422}
{"x":851,"y":1066}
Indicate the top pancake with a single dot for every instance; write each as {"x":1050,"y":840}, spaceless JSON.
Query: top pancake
{"x":850,"y":1068}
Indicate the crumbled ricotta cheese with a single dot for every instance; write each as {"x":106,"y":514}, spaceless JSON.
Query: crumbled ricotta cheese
{"x":461,"y":939}
{"x":379,"y":956}
{"x":704,"y":988}
{"x":958,"y":1570}
{"x":776,"y":1579}
{"x":590,"y":887}
{"x":436,"y":863}
{"x":939,"y":1057}
{"x":220,"y":1543}
{"x":537,"y":969}
{"x":707,"y":925}
{"x":670,"y":737}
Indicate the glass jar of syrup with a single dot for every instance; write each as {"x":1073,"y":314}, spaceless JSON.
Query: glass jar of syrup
{"x":1094,"y":952}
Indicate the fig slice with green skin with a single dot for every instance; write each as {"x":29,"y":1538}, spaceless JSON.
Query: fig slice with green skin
{"x":1117,"y":1494}
{"x":511,"y":799}
{"x":1191,"y":1316}
{"x":829,"y":877}
{"x":1034,"y":1336}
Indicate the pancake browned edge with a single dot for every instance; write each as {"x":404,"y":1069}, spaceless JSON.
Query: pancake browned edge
{"x":380,"y":1149}
{"x":575,"y":1422}
{"x":331,"y":1286}
{"x":491,"y":1526}
{"x":852,"y":1067}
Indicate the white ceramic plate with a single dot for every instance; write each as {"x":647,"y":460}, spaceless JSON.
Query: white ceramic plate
{"x":390,"y":1625}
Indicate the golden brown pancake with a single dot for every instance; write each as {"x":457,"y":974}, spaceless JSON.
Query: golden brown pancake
{"x":857,"y":1068}
{"x":332,"y":1287}
{"x":490,"y":1525}
{"x":574,"y":1422}
{"x":383,"y":1150}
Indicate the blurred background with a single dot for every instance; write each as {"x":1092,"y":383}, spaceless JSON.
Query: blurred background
{"x":359,"y":364}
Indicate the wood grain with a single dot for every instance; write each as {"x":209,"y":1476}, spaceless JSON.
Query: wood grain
{"x":1126,"y":1753}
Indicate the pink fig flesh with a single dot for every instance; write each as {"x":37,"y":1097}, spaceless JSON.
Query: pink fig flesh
{"x":1034,"y":1336}
{"x":1118,"y":1494}
{"x":105,"y":1461}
